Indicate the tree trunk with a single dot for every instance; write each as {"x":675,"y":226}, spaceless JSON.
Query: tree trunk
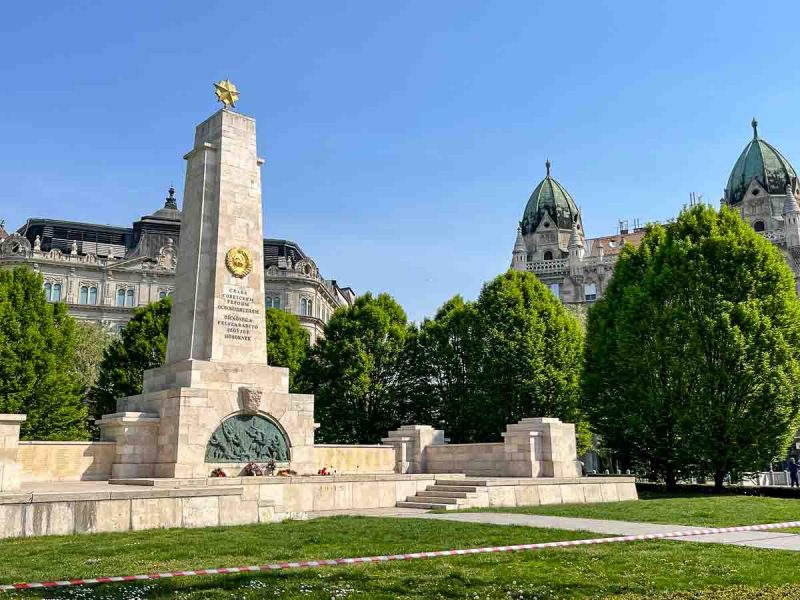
{"x":719,"y":478}
{"x":672,"y":483}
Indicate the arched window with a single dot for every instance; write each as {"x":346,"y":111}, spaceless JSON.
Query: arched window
{"x":162,"y":294}
{"x":130,"y":297}
{"x":92,"y":295}
{"x":276,"y":302}
{"x":758,"y":225}
{"x":120,"y":297}
{"x":548,"y":255}
{"x":303,"y":306}
{"x":57,"y":292}
{"x":48,"y":291}
{"x":556,"y":289}
{"x":83,"y":297}
{"x":590,"y":291}
{"x":268,"y":302}
{"x":310,"y":312}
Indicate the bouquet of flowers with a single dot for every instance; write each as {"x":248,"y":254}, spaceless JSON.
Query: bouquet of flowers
{"x":252,"y":469}
{"x":218,"y":472}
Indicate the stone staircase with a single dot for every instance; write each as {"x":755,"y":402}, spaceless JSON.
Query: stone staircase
{"x":445,"y":494}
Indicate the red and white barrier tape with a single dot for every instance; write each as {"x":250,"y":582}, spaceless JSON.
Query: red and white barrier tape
{"x":304,"y":564}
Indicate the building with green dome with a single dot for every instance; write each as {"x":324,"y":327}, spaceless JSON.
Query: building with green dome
{"x":551,"y":243}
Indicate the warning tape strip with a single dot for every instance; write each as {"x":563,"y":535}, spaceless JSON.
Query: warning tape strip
{"x":304,"y":564}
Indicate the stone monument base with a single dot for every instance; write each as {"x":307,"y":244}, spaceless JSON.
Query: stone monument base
{"x":167,"y":430}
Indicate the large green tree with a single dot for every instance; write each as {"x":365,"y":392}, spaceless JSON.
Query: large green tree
{"x":141,"y":345}
{"x":354,"y":371}
{"x":287,"y":342}
{"x":514,"y":353}
{"x":37,"y":354}
{"x":691,"y":364}
{"x":531,"y":356}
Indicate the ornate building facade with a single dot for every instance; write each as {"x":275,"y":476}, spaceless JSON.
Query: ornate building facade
{"x":103,"y":272}
{"x":551,"y":242}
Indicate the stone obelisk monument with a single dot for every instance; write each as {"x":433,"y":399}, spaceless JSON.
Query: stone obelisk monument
{"x":215,"y":402}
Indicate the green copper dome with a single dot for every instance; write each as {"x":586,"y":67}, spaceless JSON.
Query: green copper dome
{"x":549,"y":197}
{"x":762,"y":161}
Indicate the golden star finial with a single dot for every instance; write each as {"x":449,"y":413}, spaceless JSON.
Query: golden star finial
{"x":226,"y":93}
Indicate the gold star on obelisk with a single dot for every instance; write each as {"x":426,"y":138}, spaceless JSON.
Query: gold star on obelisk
{"x":226,"y":92}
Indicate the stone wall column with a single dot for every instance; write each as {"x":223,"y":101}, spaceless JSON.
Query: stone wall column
{"x":541,"y":447}
{"x":10,"y":469}
{"x":410,"y":442}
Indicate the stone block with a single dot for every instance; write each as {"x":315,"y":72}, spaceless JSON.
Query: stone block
{"x":627,"y":490}
{"x":49,"y":518}
{"x":550,"y":494}
{"x":234,"y":510}
{"x":201,"y":511}
{"x":592,"y":492}
{"x":156,"y":513}
{"x":503,"y":495}
{"x":12,"y":519}
{"x":572,"y":493}
{"x":526,"y":495}
{"x":609,"y":492}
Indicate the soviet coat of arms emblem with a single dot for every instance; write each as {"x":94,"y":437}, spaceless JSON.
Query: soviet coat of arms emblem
{"x":239,"y":262}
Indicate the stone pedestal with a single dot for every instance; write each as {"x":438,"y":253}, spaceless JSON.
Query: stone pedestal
{"x":540,"y":447}
{"x":9,"y":448}
{"x":216,"y":402}
{"x":410,"y":442}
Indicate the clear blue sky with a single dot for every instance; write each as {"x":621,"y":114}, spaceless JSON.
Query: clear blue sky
{"x":402,"y":139}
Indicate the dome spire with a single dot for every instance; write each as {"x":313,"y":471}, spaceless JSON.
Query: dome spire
{"x":754,"y":124}
{"x":171,"y":201}
{"x":547,"y":166}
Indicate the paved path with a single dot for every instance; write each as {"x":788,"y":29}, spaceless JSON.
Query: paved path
{"x":753,"y":539}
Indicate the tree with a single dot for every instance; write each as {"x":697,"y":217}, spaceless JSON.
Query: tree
{"x":531,"y":356}
{"x":354,"y":371}
{"x":691,"y":364}
{"x":442,"y":380}
{"x":37,"y":351}
{"x":287,"y":342}
{"x":91,"y":341}
{"x":141,"y":345}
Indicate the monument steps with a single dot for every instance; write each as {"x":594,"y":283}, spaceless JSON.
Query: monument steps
{"x":448,"y":495}
{"x":427,"y":505}
{"x":434,"y":492}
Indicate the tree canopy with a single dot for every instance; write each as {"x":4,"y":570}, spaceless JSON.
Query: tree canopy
{"x":141,"y":345}
{"x":354,"y":371}
{"x":514,"y":353}
{"x":287,"y":342}
{"x":691,"y":363}
{"x":37,"y":355}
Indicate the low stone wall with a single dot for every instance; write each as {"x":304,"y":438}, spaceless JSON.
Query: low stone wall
{"x":509,"y":492}
{"x":66,"y":461}
{"x":229,"y":501}
{"x":478,"y":460}
{"x":355,"y":459}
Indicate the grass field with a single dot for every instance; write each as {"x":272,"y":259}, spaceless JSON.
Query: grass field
{"x":637,"y":570}
{"x":702,"y":510}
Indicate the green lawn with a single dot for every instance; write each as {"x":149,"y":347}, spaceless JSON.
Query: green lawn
{"x":701,"y":510}
{"x":590,"y":572}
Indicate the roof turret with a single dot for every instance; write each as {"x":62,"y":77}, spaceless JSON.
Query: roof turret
{"x":549,"y":197}
{"x":790,"y":204}
{"x":760,"y":161}
{"x":519,"y":244}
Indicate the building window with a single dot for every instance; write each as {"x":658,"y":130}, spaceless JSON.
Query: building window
{"x":48,"y":291}
{"x":556,"y":289}
{"x":303,"y":306}
{"x":57,"y":292}
{"x":162,"y":294}
{"x":268,"y":302}
{"x":92,"y":295}
{"x":758,"y":225}
{"x":276,"y":302}
{"x":120,"y":297}
{"x":130,"y":297}
{"x":83,"y":297}
{"x":310,"y":308}
{"x":590,"y":292}
{"x":548,"y":255}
